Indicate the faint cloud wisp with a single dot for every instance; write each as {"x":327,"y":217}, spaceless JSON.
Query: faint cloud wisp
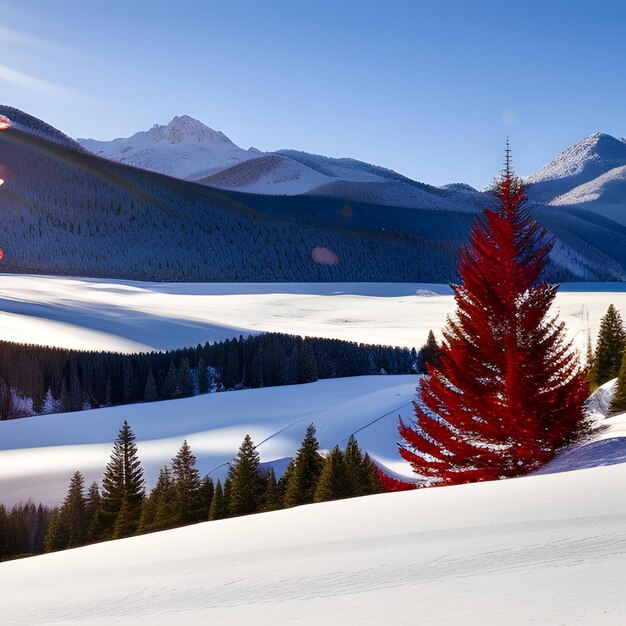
{"x":45,"y":87}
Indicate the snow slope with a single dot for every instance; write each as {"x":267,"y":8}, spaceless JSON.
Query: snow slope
{"x":579,"y":164}
{"x":273,"y":174}
{"x":184,"y":148}
{"x":547,"y":549}
{"x":605,"y":195}
{"x":130,"y":316}
{"x":38,"y":455}
{"x":290,"y":172}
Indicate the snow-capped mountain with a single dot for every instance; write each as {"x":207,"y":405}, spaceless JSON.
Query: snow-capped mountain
{"x":590,"y":175}
{"x":184,"y":148}
{"x":291,"y":172}
{"x":579,"y":164}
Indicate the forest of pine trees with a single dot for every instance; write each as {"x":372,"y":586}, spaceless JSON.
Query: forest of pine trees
{"x":36,"y":379}
{"x":121,"y":508}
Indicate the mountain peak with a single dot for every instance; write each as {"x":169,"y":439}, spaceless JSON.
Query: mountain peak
{"x":589,"y":158}
{"x":186,"y":129}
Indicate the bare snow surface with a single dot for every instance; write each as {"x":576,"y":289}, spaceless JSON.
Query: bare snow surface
{"x":125,"y":316}
{"x":38,"y":455}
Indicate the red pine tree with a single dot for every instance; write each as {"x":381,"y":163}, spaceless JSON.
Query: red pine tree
{"x":508,"y":391}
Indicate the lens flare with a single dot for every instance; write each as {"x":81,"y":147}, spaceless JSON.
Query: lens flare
{"x":324,"y":256}
{"x":5,"y":122}
{"x":1,"y":182}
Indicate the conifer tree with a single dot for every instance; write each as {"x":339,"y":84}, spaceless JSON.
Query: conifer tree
{"x":92,"y":505}
{"x":272,"y":500}
{"x":618,"y":402}
{"x":158,"y":511}
{"x":301,"y":483}
{"x":122,"y":486}
{"x":68,"y":527}
{"x":429,"y":354}
{"x":610,"y":347}
{"x":207,"y":495}
{"x":333,"y":483}
{"x":361,"y":471}
{"x":150,"y":392}
{"x":219,"y":504}
{"x":246,"y":483}
{"x":203,"y":377}
{"x":189,"y":499}
{"x":509,"y":389}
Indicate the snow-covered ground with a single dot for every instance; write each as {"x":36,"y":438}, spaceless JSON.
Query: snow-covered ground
{"x":547,"y":549}
{"x":133,"y":316}
{"x":38,"y":455}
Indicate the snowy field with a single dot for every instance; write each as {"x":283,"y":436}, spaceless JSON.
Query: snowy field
{"x":134,"y":316}
{"x":547,"y":549}
{"x":39,"y":454}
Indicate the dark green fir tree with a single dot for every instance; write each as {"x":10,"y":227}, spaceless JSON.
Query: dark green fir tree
{"x":333,"y":483}
{"x":122,"y":487}
{"x":189,"y":497}
{"x":246,"y":482}
{"x":610,"y":347}
{"x":301,"y":482}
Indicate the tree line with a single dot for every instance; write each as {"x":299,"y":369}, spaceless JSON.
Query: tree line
{"x":37,"y":379}
{"x":120,"y":507}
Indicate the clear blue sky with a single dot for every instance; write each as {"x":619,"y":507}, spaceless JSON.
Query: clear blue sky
{"x":429,"y":89}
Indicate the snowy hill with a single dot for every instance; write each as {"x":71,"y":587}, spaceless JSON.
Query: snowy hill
{"x":605,"y":195}
{"x":125,"y":316}
{"x":184,"y":148}
{"x":39,"y":454}
{"x":289,"y":172}
{"x":580,"y":164}
{"x":545,"y":549}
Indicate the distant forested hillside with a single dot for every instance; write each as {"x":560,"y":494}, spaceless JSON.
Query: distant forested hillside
{"x":38,"y":379}
{"x":68,"y":212}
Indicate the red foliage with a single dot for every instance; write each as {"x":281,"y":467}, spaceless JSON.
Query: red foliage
{"x":508,"y":391}
{"x":392,"y":484}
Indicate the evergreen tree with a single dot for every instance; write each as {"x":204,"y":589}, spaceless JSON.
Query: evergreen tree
{"x":92,"y":505}
{"x":150,"y":392}
{"x":57,"y":536}
{"x":618,"y":402}
{"x":429,"y":354}
{"x":509,"y":390}
{"x":361,"y":471}
{"x":158,"y":511}
{"x":185,"y":381}
{"x":219,"y":504}
{"x":122,"y":486}
{"x":302,"y":481}
{"x":208,"y":490}
{"x":170,"y":387}
{"x":69,"y":525}
{"x":272,"y":500}
{"x":333,"y":483}
{"x":246,"y":483}
{"x":203,"y":377}
{"x":190,"y":505}
{"x":75,"y":513}
{"x":610,"y":347}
